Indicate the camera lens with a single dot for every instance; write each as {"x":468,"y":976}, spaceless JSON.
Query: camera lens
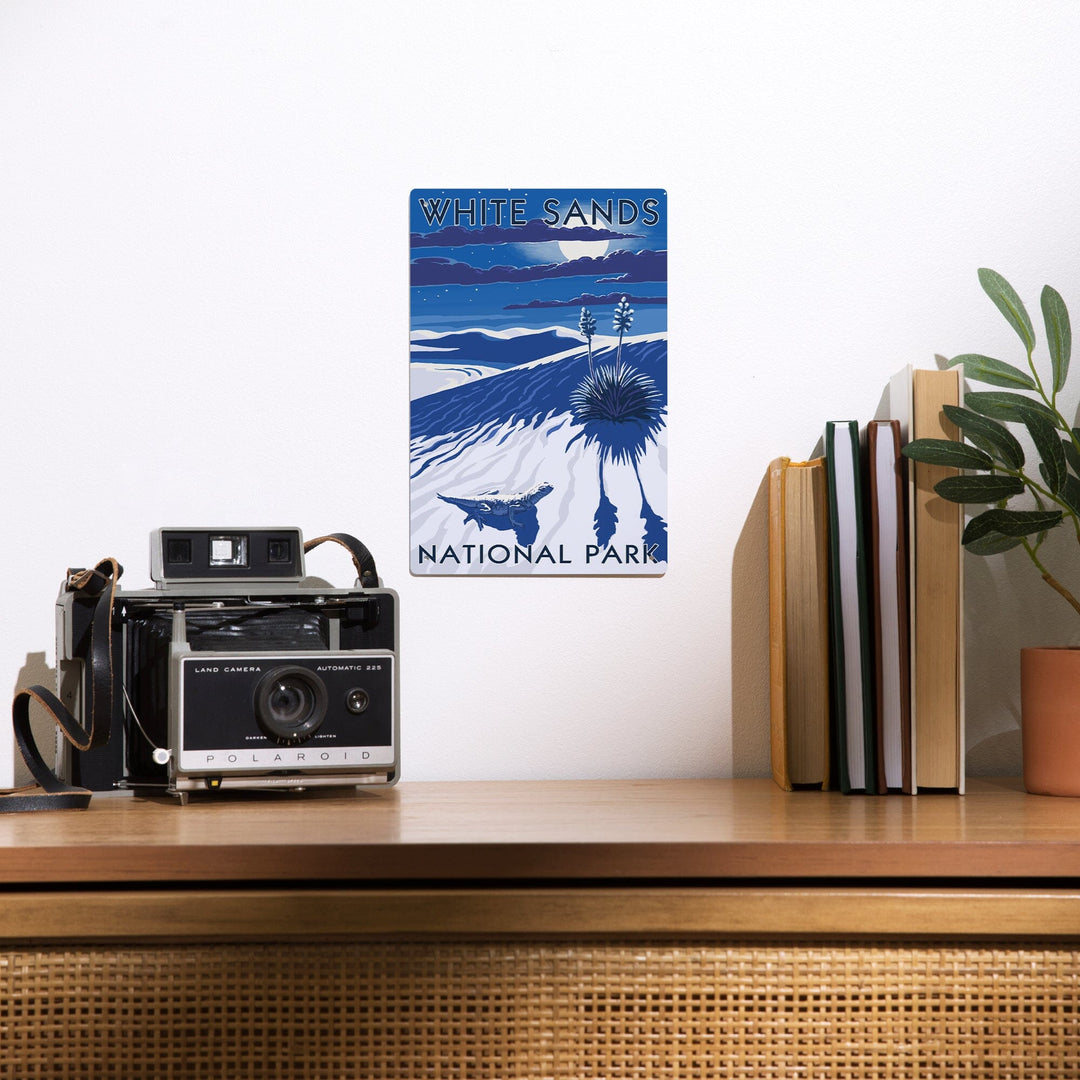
{"x":290,"y":704}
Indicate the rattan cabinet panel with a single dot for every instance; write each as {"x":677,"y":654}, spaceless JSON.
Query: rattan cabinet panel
{"x":566,"y":1009}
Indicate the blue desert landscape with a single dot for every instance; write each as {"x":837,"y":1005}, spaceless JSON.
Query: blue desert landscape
{"x":538,"y":441}
{"x":517,"y":424}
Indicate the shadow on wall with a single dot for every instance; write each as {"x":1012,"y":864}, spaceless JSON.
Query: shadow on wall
{"x":1007,"y":607}
{"x":33,"y":672}
{"x":750,"y":641}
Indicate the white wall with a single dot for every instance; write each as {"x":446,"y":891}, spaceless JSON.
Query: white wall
{"x":204,"y":309}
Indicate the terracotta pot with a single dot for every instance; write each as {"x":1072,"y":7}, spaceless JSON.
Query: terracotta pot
{"x":1050,"y":720}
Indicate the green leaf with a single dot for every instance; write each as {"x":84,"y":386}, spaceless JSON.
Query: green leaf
{"x":996,"y":372}
{"x":1048,"y":444}
{"x":1009,"y":304}
{"x":1070,"y":493}
{"x":1072,"y":455}
{"x":1001,"y":405}
{"x":1010,"y":523}
{"x":978,"y":489}
{"x":946,"y":452}
{"x":1058,"y":333}
{"x":996,"y":439}
{"x":993,"y":544}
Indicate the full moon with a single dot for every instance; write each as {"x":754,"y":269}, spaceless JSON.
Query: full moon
{"x":579,"y":249}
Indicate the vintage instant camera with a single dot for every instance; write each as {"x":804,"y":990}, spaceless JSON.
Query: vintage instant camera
{"x":237,"y":671}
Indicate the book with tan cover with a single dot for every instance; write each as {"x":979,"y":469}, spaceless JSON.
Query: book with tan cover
{"x":937,"y":630}
{"x":798,"y":623}
{"x":936,"y":583}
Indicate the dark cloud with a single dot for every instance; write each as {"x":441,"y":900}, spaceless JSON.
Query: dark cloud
{"x":532,"y":232}
{"x":588,"y":300}
{"x":616,"y":266}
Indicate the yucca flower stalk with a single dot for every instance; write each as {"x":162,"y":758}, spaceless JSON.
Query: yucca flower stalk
{"x":587,"y":326}
{"x":994,"y":453}
{"x":624,"y":317}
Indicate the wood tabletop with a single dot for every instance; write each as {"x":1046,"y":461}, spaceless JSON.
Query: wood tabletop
{"x":617,"y":831}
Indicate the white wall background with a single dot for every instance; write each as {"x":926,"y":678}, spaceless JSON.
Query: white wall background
{"x":204,"y":310}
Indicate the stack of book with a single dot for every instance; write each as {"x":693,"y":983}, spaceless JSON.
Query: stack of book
{"x":866,"y":605}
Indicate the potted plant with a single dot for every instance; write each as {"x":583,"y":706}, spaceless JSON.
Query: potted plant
{"x":999,"y":471}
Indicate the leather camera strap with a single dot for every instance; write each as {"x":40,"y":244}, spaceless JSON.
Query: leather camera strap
{"x":50,"y":792}
{"x":361,"y":557}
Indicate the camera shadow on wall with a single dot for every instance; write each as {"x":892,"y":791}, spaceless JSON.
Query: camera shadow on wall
{"x":34,"y":672}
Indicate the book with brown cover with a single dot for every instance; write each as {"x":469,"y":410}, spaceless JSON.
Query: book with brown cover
{"x":889,"y":577}
{"x":798,"y":623}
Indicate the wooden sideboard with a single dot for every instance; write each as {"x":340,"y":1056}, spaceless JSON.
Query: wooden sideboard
{"x":646,"y":928}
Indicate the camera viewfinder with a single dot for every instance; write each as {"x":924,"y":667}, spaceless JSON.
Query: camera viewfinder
{"x":278,"y":550}
{"x":261,"y":556}
{"x":228,"y":551}
{"x":179,"y":550}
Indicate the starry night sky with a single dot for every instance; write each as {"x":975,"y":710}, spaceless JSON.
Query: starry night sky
{"x":533,"y":258}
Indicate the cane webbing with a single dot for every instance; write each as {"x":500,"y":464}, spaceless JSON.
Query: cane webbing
{"x":550,"y":1009}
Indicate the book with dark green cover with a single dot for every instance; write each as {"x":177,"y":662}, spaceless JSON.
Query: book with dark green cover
{"x":850,"y":627}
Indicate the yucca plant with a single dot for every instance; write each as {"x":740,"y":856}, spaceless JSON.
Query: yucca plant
{"x":993,"y":453}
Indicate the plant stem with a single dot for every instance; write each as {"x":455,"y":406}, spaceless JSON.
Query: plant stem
{"x":1038,"y":381}
{"x":1039,"y":492}
{"x":1051,"y":401}
{"x":1056,"y":585}
{"x":1050,"y":579}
